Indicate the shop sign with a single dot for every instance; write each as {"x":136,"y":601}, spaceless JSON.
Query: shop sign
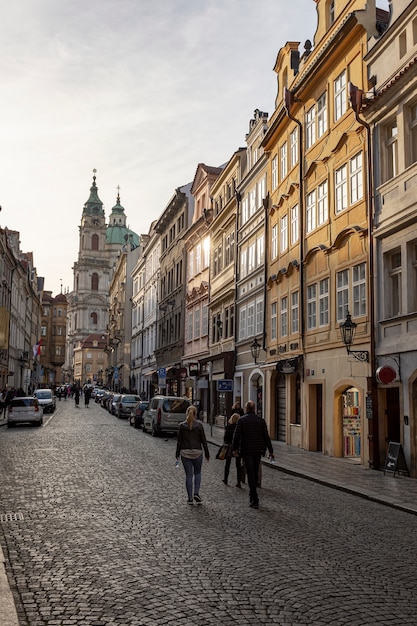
{"x":288,"y":366}
{"x":386,"y":374}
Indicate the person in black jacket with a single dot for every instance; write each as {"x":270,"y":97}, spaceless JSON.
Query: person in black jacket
{"x":250,"y":441}
{"x":228,"y":439}
{"x":191,"y":440}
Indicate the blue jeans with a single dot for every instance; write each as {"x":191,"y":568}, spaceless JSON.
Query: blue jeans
{"x":192,"y":471}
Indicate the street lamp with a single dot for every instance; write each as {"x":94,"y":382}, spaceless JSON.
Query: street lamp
{"x":347,"y":328}
{"x":255,"y":349}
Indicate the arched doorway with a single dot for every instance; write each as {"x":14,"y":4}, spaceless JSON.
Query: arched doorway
{"x":256,"y":392}
{"x":351,"y":423}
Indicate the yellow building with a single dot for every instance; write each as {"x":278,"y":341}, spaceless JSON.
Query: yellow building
{"x":317,"y":251}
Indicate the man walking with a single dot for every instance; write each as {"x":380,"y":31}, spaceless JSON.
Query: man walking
{"x":250,"y":441}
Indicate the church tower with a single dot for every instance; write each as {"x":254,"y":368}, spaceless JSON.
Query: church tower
{"x":89,"y":301}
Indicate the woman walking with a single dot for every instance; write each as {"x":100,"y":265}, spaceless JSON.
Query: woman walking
{"x":191,"y":440}
{"x":228,"y":439}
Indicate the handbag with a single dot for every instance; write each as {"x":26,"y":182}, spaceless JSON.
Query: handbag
{"x":224,"y":451}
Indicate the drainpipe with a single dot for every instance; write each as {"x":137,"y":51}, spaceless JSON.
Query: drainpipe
{"x":355,"y":95}
{"x":289,"y":99}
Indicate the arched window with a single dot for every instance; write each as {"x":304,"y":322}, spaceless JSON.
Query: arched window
{"x":94,"y":242}
{"x":94,"y":282}
{"x":94,"y":318}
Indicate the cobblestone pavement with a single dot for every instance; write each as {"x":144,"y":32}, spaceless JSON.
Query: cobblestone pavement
{"x":96,"y":531}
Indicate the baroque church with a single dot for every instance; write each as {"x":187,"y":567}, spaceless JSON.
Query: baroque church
{"x":88,"y":303}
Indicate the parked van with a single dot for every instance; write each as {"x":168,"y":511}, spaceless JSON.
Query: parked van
{"x":164,"y":414}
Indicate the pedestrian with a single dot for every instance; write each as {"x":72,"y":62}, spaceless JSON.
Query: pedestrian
{"x":228,"y":439}
{"x":191,"y":440}
{"x":87,"y":396}
{"x":236,"y":408}
{"x":250,"y":441}
{"x":77,"y":396}
{"x":2,"y":399}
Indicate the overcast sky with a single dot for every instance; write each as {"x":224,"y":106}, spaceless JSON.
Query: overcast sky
{"x":141,"y":91}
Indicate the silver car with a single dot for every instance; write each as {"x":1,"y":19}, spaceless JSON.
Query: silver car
{"x":165,"y":414}
{"x":24,"y":410}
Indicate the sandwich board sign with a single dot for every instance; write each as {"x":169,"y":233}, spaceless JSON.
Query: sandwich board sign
{"x":395,"y":459}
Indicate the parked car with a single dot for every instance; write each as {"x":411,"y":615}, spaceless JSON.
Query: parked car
{"x":104,"y":398}
{"x":125,"y":405}
{"x":136,"y":415}
{"x":98,"y":394}
{"x":25,"y":409}
{"x":46,"y":399}
{"x":112,"y":404}
{"x":164,"y":414}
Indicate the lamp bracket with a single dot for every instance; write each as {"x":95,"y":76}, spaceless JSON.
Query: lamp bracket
{"x":359,"y":355}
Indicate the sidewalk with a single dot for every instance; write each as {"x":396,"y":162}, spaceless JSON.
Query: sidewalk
{"x":347,"y":475}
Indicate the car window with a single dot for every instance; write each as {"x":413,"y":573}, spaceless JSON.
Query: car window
{"x":130,"y":399}
{"x":176,"y":405}
{"x":23,"y":402}
{"x":43,"y":394}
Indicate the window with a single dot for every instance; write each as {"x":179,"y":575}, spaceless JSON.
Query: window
{"x":294,"y":224}
{"x":206,"y":252}
{"x":311,"y":211}
{"x":284,"y":316}
{"x":359,"y":289}
{"x":294,"y":312}
{"x":341,"y":189}
{"x":229,"y":250}
{"x":311,"y":307}
{"x":273,"y":320}
{"x":191,"y":264}
{"x":283,"y":158}
{"x":322,"y":115}
{"x":310,"y":127}
{"x":204,"y":321}
{"x":394,"y":292}
{"x":413,"y":132}
{"x":243,"y":263}
{"x":275,"y":172}
{"x":324,"y":302}
{"x":340,"y":99}
{"x":198,"y":258}
{"x":242,"y":323}
{"x":342,"y":295}
{"x":259,"y":316}
{"x":356,"y":179}
{"x":94,"y":318}
{"x":284,"y":233}
{"x":217,"y":260}
{"x":252,"y":257}
{"x":94,"y":282}
{"x":94,"y":242}
{"x":322,"y":204}
{"x":190,"y":326}
{"x":197,"y":324}
{"x":294,"y":147}
{"x":274,"y":241}
{"x":251,"y":320}
{"x":391,"y":150}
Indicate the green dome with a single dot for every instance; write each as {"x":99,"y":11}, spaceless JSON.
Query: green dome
{"x":117,"y":232}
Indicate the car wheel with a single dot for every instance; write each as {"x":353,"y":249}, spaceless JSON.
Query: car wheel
{"x":39,"y":423}
{"x":10,"y":425}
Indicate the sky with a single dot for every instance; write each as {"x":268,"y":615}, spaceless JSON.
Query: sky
{"x":140,"y":91}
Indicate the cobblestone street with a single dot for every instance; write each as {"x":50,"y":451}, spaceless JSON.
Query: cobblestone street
{"x":95,"y":530}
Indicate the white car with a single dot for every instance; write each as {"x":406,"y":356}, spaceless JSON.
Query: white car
{"x":22,"y":410}
{"x":164,"y":414}
{"x":46,"y":399}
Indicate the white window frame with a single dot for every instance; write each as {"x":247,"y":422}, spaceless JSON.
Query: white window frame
{"x":284,"y":233}
{"x":310,"y":127}
{"x":283,"y":160}
{"x":275,"y":172}
{"x":311,"y":306}
{"x":324,"y":302}
{"x":295,"y":223}
{"x":294,"y":147}
{"x":274,"y":241}
{"x":295,"y":308}
{"x":311,"y":211}
{"x":284,"y":316}
{"x":273,"y":321}
{"x":341,"y":189}
{"x":340,"y":96}
{"x":342,"y":295}
{"x":356,"y":178}
{"x":322,"y":203}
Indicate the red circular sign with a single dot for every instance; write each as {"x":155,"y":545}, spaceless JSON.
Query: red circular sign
{"x":386,"y":374}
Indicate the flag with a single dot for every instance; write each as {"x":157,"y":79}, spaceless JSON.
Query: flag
{"x":37,"y":349}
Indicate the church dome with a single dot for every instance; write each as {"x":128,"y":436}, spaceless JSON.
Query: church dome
{"x":117,"y":232}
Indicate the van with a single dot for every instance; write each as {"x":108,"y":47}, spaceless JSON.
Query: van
{"x":165,"y":414}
